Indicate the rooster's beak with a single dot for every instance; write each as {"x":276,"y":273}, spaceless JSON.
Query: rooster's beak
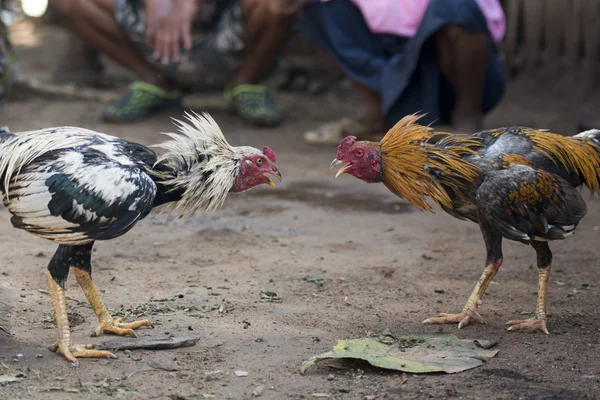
{"x":278,"y":175}
{"x":344,"y":168}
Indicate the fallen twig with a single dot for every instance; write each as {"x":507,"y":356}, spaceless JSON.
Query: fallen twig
{"x":147,"y":342}
{"x":141,"y":370}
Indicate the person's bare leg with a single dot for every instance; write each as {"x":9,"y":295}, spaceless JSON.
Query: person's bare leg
{"x":463,"y":59}
{"x":94,"y":21}
{"x":371,"y":115}
{"x":265,"y":34}
{"x":80,"y":64}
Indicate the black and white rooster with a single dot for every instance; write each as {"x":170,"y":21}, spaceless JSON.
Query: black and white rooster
{"x":75,"y":186}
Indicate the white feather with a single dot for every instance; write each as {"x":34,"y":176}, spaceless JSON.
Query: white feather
{"x":186,"y":167}
{"x":22,"y":149}
{"x":25,"y":188}
{"x":591,"y":133}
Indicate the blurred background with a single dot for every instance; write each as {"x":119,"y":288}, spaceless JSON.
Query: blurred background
{"x":548,"y":52}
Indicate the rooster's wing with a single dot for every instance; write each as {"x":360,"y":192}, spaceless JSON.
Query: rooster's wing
{"x":75,"y":197}
{"x":524,"y":204}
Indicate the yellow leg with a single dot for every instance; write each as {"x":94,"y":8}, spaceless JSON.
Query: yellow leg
{"x":539,"y":321}
{"x":63,"y":345}
{"x":469,"y":311}
{"x":106,"y":322}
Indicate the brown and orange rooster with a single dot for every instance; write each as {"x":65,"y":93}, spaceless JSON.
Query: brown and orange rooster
{"x":517,"y":183}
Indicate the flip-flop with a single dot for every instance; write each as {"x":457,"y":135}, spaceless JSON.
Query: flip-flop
{"x":333,"y":132}
{"x":140,"y":101}
{"x":254,"y":104}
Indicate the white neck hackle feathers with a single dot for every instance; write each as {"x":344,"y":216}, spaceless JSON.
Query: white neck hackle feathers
{"x":199,"y":161}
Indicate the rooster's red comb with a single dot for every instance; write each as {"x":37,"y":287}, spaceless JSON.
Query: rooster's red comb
{"x":269,"y":153}
{"x":346,"y":144}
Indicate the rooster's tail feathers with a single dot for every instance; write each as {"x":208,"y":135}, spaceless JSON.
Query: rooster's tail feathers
{"x":592,"y":134}
{"x":591,"y":140}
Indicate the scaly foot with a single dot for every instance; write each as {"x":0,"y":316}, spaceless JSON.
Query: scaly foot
{"x":463,"y":319}
{"x":534,"y":323}
{"x":71,"y":352}
{"x":118,"y":328}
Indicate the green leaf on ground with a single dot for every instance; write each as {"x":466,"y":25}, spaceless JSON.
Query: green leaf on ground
{"x":416,"y":353}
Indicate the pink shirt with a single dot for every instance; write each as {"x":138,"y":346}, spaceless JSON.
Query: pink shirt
{"x":403,"y":17}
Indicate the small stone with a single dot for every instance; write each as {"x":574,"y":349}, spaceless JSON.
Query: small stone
{"x":330,"y":377}
{"x":19,"y":355}
{"x":23,"y":295}
{"x":369,"y":397}
{"x":258,"y":391}
{"x":190,"y":328}
{"x":241,"y":373}
{"x":39,"y":356}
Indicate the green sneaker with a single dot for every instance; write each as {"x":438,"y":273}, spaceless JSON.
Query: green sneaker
{"x":140,"y":101}
{"x":254,"y":104}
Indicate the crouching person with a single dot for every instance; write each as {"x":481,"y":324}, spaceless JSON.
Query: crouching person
{"x":177,"y":46}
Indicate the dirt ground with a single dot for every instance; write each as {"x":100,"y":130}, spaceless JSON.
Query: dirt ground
{"x":383,"y":265}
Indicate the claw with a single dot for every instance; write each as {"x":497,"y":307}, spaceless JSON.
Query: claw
{"x":463,"y":319}
{"x":119,"y":328}
{"x":533,"y":323}
{"x":473,"y":313}
{"x":71,"y":352}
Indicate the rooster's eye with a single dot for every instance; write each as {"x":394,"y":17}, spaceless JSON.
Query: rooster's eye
{"x":359,"y":153}
{"x":259,"y":162}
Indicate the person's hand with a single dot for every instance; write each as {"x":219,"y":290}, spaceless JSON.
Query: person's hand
{"x":172,"y":30}
{"x":155,"y":10}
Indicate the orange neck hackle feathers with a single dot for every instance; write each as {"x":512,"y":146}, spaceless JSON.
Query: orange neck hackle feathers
{"x":408,"y":157}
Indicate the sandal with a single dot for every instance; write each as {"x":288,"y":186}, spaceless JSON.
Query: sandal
{"x":333,"y":132}
{"x":254,"y":104}
{"x":141,"y":100}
